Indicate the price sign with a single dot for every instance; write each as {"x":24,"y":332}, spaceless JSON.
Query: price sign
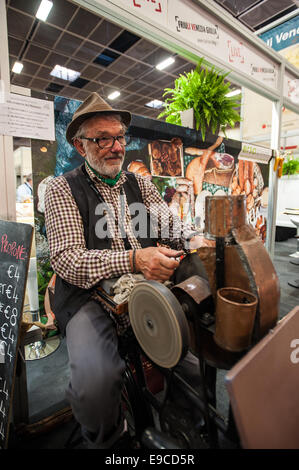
{"x":15,"y":246}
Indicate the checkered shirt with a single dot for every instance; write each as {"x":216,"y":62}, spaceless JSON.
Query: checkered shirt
{"x":69,"y":255}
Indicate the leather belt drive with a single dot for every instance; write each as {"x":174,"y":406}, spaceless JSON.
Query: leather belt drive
{"x":159,"y":323}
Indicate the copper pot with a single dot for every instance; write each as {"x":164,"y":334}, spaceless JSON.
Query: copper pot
{"x":235,"y":314}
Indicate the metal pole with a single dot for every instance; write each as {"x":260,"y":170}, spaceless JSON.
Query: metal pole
{"x":7,"y":168}
{"x":273,"y":180}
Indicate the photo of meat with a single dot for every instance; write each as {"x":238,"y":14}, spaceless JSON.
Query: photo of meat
{"x":247,"y":179}
{"x":209,"y":166}
{"x":139,"y":167}
{"x":166,"y":158}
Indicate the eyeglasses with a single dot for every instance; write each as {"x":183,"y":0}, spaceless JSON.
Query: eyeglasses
{"x":108,"y":142}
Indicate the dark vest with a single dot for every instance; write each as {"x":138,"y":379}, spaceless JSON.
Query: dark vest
{"x":68,"y":298}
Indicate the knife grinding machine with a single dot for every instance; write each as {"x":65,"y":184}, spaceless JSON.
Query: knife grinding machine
{"x":220,"y":302}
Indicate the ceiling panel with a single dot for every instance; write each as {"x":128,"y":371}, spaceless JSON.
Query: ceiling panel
{"x":154,"y":75}
{"x":266,"y":10}
{"x":119,"y":81}
{"x":179,"y":63}
{"x":134,"y":85}
{"x":122,"y":64}
{"x":44,"y":72}
{"x":142,"y":49}
{"x":68,"y":92}
{"x":29,"y":7}
{"x":139,"y":70}
{"x":15,"y":46}
{"x":164,"y":82}
{"x":157,"y":56}
{"x":258,"y":13}
{"x":106,"y":76}
{"x":76,"y":65}
{"x":18,"y":24}
{"x":93,"y":86}
{"x":88,"y":51}
{"x":107,"y":56}
{"x":68,"y":44}
{"x":46,"y":35}
{"x":82,"y":95}
{"x":237,"y":7}
{"x":53,"y":58}
{"x":185,"y":69}
{"x":91,"y":72}
{"x":29,"y":68}
{"x":62,"y":14}
{"x":22,"y":80}
{"x":39,"y":84}
{"x":83,"y":23}
{"x":36,"y":54}
{"x":105,"y":32}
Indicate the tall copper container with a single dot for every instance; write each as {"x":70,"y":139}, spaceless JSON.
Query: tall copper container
{"x":222,"y":214}
{"x":239,"y":258}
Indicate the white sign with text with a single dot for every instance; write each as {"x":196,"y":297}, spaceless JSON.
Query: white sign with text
{"x":23,"y":116}
{"x":198,"y":27}
{"x":186,"y":20}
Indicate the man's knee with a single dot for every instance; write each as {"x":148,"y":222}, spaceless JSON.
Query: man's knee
{"x":95,"y":399}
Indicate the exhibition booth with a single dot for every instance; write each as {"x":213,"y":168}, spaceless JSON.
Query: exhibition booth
{"x":229,"y":185}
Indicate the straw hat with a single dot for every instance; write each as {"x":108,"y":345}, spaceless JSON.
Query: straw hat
{"x":94,"y":104}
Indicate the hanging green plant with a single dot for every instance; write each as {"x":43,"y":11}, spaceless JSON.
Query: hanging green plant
{"x":290,"y":166}
{"x":205,"y":91}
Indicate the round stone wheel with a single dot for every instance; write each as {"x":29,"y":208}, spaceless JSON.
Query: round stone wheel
{"x":159,"y":323}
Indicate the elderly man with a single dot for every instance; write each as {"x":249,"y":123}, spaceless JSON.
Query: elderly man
{"x":83,"y":254}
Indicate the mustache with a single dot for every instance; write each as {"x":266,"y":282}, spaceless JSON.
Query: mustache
{"x":116,"y":155}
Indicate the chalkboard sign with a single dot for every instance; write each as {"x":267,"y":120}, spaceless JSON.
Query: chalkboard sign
{"x":15,"y":247}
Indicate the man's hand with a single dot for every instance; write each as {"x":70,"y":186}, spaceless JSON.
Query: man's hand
{"x":157,"y":263}
{"x":198,"y":242}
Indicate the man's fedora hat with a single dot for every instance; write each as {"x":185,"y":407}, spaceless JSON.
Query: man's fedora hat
{"x":94,"y":104}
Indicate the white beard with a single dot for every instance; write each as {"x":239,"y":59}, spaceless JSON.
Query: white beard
{"x":103,"y":167}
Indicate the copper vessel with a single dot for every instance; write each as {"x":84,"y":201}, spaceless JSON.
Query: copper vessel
{"x":241,"y":259}
{"x":235,"y":314}
{"x":223,"y":213}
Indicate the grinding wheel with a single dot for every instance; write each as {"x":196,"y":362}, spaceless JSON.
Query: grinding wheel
{"x":159,"y":323}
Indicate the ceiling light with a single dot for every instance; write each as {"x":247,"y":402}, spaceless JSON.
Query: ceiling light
{"x":114,"y":95}
{"x":44,"y":10}
{"x":165,"y":63}
{"x":17,"y":68}
{"x":234,"y":93}
{"x":156,"y":104}
{"x":64,"y":73}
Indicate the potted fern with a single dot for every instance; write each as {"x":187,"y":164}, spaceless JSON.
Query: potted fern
{"x":203,"y":90}
{"x":290,"y":166}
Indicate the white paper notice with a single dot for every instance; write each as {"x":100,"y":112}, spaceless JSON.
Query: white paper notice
{"x":23,"y":116}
